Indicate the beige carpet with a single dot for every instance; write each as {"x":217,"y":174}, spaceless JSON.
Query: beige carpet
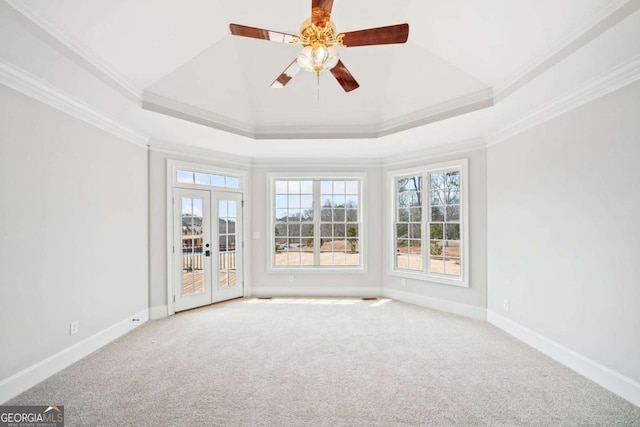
{"x":324,"y":363}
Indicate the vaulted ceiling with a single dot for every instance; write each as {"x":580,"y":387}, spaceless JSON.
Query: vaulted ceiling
{"x":179,"y":58}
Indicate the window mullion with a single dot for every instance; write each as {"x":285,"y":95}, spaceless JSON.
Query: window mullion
{"x":316,"y":223}
{"x":394,"y":192}
{"x":426,"y":222}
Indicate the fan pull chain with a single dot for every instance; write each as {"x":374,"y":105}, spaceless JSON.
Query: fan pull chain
{"x":318,"y":74}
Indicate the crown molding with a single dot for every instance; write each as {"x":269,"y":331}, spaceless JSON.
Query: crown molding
{"x":180,"y":110}
{"x":436,"y":152}
{"x":616,"y":78}
{"x":203,"y":154}
{"x":20,"y":80}
{"x":316,"y":163}
{"x":362,"y":131}
{"x":604,"y":18}
{"x":455,"y":107}
{"x":29,"y":85}
{"x":81,"y":51}
{"x":171,"y":107}
{"x":445,"y":110}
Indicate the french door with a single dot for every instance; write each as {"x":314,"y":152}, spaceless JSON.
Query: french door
{"x":208,"y":247}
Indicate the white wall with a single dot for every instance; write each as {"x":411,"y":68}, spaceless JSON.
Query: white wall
{"x":316,"y":283}
{"x":564,"y":203}
{"x":476,"y":294}
{"x":157,"y":232}
{"x":73,"y":230}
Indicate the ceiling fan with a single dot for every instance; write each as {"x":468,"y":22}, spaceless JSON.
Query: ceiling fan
{"x":318,"y":38}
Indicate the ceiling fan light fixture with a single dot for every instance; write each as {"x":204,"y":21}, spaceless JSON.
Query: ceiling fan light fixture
{"x":318,"y":58}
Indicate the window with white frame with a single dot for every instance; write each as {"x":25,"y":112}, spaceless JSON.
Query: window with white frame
{"x":316,"y":223}
{"x":409,"y":223}
{"x":430,"y":223}
{"x":208,"y":179}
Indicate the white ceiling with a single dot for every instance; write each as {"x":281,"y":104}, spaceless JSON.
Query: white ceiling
{"x":181,"y":58}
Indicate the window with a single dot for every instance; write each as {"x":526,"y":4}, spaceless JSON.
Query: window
{"x":430,"y":223}
{"x":409,"y":223}
{"x":444,"y":223}
{"x":339,"y":230}
{"x":316,"y":223}
{"x":294,"y":223}
{"x":189,"y":177}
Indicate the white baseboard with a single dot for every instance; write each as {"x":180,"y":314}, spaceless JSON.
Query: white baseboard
{"x":27,"y":378}
{"x":303,"y":291}
{"x":606,"y":377}
{"x":158,"y":312}
{"x":437,"y":304}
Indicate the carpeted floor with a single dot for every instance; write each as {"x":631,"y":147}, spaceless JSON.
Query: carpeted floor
{"x":323,"y":362}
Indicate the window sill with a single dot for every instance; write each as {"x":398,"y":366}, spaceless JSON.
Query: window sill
{"x":316,"y":270}
{"x":433,"y":278}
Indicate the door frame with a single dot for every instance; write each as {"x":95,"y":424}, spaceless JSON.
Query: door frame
{"x":171,"y":182}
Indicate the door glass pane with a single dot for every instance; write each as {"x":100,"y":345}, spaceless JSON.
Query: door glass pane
{"x":227,"y":217}
{"x":192,"y":262}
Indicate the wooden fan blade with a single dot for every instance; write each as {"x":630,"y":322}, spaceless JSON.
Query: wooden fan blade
{"x":259,"y":33}
{"x":286,"y":75}
{"x":321,"y":12}
{"x":344,"y":77}
{"x":372,"y":36}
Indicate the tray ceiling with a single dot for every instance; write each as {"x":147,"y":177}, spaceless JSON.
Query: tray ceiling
{"x":181,"y":59}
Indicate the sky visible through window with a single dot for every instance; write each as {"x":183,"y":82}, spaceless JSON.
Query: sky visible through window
{"x":213,"y":180}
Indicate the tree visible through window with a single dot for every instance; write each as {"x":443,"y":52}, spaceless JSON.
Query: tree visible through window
{"x":428,"y":211}
{"x":294,"y":223}
{"x":444,"y":223}
{"x":317,"y":223}
{"x":409,"y":224}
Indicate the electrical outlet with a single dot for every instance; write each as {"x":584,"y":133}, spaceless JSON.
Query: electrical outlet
{"x":403,"y":282}
{"x":73,"y":327}
{"x":505,"y":305}
{"x":291,"y":278}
